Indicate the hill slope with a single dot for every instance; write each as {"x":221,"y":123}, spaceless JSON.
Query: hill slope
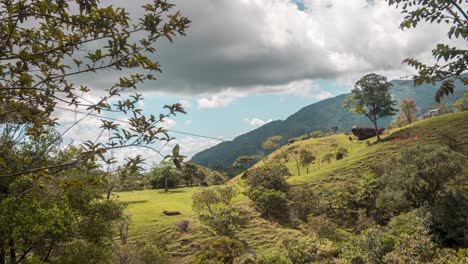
{"x":318,"y":116}
{"x":449,"y":129}
{"x":260,"y":235}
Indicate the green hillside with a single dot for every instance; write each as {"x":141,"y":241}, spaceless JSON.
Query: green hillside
{"x":318,"y":116}
{"x":263,"y":236}
{"x":445,"y":129}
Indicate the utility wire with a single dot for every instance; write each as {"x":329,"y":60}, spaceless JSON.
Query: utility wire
{"x":124,"y":121}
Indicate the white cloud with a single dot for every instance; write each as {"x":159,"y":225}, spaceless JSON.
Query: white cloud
{"x":222,"y":99}
{"x":185,"y":103}
{"x":256,"y":122}
{"x":276,"y":44}
{"x":188,"y":122}
{"x":189,"y":145}
{"x":168,"y":123}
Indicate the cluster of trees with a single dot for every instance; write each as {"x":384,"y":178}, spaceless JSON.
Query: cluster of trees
{"x":165,"y":176}
{"x":267,"y":188}
{"x":412,"y":208}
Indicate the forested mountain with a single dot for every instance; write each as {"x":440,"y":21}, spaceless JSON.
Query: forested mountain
{"x":318,"y":116}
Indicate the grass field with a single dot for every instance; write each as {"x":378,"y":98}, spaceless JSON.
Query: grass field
{"x":145,"y":207}
{"x":148,"y":222}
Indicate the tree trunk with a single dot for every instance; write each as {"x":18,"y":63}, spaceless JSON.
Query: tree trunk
{"x":12,"y":251}
{"x":165,"y":184}
{"x":298,"y":171}
{"x":109,"y":192}
{"x":377,"y":132}
{"x":376,"y":129}
{"x":307,"y":168}
{"x":2,"y":255}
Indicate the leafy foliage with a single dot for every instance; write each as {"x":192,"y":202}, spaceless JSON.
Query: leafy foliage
{"x":428,"y":176}
{"x":216,"y":178}
{"x":341,"y":153}
{"x":461,"y":104}
{"x":220,"y":250}
{"x":81,"y":38}
{"x":371,"y":97}
{"x":421,"y":175}
{"x":408,"y":110}
{"x":272,"y":203}
{"x":316,"y":134}
{"x":53,"y":216}
{"x":213,"y":206}
{"x":306,"y":158}
{"x":272,"y":142}
{"x":452,"y":13}
{"x":270,"y":176}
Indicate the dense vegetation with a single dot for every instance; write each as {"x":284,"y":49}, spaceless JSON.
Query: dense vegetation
{"x":399,"y":200}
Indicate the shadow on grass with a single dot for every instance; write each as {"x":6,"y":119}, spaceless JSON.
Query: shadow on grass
{"x":172,"y":191}
{"x":137,"y":202}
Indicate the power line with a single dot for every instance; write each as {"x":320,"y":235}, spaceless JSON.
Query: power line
{"x":124,"y":121}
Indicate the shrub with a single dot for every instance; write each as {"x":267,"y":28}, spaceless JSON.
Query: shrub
{"x":316,"y":134}
{"x":341,"y":153}
{"x":151,"y":254}
{"x":302,"y":201}
{"x":213,"y":206}
{"x":224,"y":220}
{"x":274,"y":258}
{"x":206,"y":200}
{"x":216,"y":178}
{"x":416,"y":247}
{"x":422,"y":174}
{"x":300,"y":250}
{"x":271,"y":202}
{"x":270,"y":176}
{"x":426,"y":176}
{"x":322,"y":226}
{"x":157,"y":177}
{"x":219,"y":250}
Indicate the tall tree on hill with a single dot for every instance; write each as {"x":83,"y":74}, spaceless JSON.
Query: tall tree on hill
{"x":451,"y":62}
{"x":408,"y":110}
{"x":306,"y":158}
{"x":371,"y":97}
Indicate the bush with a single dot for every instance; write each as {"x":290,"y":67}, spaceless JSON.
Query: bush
{"x":270,"y":202}
{"x":270,"y":176}
{"x":151,"y":254}
{"x":416,"y":247}
{"x":302,"y":201}
{"x":422,"y":175}
{"x":213,"y":206}
{"x":300,"y":250}
{"x":216,"y":178}
{"x":224,"y":220}
{"x":322,"y":226}
{"x":208,"y":199}
{"x":316,"y":134}
{"x":274,"y":258}
{"x":220,"y":250}
{"x":427,"y":176}
{"x":157,"y":177}
{"x":341,"y":153}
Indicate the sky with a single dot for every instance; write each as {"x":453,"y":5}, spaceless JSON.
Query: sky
{"x":245,"y":63}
